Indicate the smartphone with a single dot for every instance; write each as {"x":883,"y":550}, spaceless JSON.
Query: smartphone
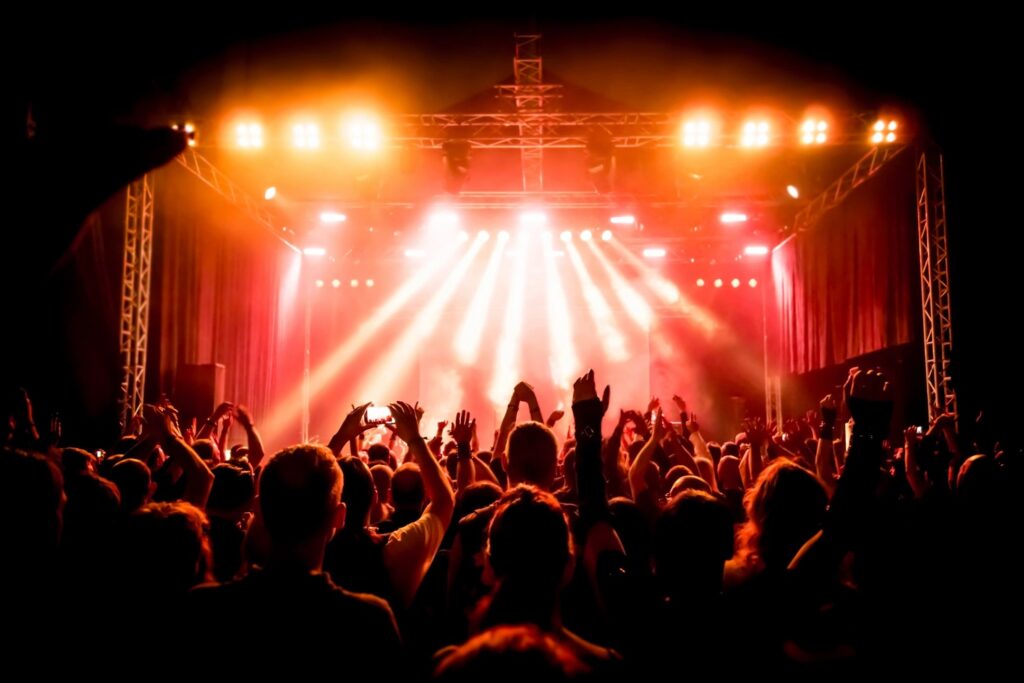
{"x":920,"y":431}
{"x":379,"y":415}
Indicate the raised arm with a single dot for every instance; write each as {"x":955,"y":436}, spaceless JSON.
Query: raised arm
{"x":824,"y":455}
{"x":435,"y":481}
{"x":350,"y":427}
{"x":256,"y":452}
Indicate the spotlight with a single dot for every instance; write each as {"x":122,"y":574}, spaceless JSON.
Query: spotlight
{"x":335,"y":283}
{"x":606,"y":236}
{"x":249,"y":135}
{"x":586,"y":235}
{"x":814,"y":131}
{"x":370,"y":283}
{"x":755,"y":250}
{"x":413,"y":253}
{"x":733,"y":217}
{"x":696,"y":133}
{"x":189,"y":130}
{"x":483,"y":235}
{"x":503,"y":235}
{"x":363,"y":134}
{"x":463,"y":235}
{"x":752,"y":282}
{"x":443,"y":219}
{"x":305,"y":136}
{"x":700,"y":282}
{"x":793,"y":191}
{"x":314,"y":251}
{"x":533,"y":218}
{"x":332,"y":217}
{"x":623,"y":220}
{"x":884,"y":131}
{"x":566,"y":236}
{"x":353,"y":283}
{"x":735,"y":282}
{"x":654,"y":252}
{"x":270,"y":193}
{"x":319,"y":283}
{"x":718,"y":282}
{"x":755,"y":134}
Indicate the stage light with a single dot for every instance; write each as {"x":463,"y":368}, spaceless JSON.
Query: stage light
{"x":249,"y":135}
{"x":413,"y":253}
{"x":700,"y":282}
{"x":319,"y":283}
{"x":606,"y":236}
{"x":755,"y":134}
{"x":363,"y":134}
{"x":483,"y":235}
{"x":814,"y":131}
{"x":305,"y":136}
{"x":533,"y":218}
{"x":735,"y":282}
{"x":654,"y":252}
{"x":884,"y":131}
{"x":189,"y":130}
{"x":752,"y":282}
{"x":755,"y":250}
{"x":565,"y":236}
{"x":624,"y":219}
{"x":696,"y":133}
{"x":732,"y":217}
{"x":314,"y":251}
{"x":793,"y":191}
{"x":503,"y":235}
{"x":335,"y":283}
{"x":370,"y":283}
{"x":353,"y":283}
{"x":332,"y":217}
{"x":611,"y":339}
{"x":463,"y":235}
{"x":270,"y":193}
{"x":445,"y":218}
{"x":586,"y":235}
{"x":718,"y":282}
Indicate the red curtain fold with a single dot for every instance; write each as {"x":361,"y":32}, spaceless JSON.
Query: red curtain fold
{"x":849,"y":286}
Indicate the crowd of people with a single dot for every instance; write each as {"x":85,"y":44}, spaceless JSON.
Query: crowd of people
{"x":634,"y":545}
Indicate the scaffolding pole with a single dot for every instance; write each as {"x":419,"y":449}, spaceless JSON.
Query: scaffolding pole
{"x":135,"y":289}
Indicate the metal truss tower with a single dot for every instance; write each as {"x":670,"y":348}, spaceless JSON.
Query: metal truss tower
{"x":135,"y":280}
{"x":933,"y":255}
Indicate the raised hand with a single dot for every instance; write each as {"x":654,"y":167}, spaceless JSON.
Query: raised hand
{"x":221,"y":411}
{"x":653,"y":404}
{"x":584,"y":389}
{"x":692,"y":425}
{"x":244,"y":417}
{"x":869,"y":398}
{"x":406,"y":423}
{"x":463,"y":428}
{"x":523,"y":392}
{"x":440,"y":426}
{"x":554,"y":417}
{"x":829,"y":409}
{"x":680,"y":403}
{"x":659,"y":427}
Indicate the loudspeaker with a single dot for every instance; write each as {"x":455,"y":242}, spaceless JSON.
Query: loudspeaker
{"x":198,"y":390}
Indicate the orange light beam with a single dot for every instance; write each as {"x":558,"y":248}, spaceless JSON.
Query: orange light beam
{"x":506,"y":365}
{"x":467,"y":339}
{"x":563,"y":360}
{"x":611,"y":339}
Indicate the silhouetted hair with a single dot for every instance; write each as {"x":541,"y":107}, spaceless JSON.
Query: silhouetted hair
{"x":511,"y":653}
{"x":407,"y":487}
{"x":532,"y":455}
{"x":233,"y":488}
{"x":133,"y":480}
{"x":298,"y":491}
{"x":359,"y":489}
{"x":528,"y":540}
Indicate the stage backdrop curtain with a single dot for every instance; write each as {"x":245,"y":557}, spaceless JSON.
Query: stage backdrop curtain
{"x":216,"y":281}
{"x":850,"y":286}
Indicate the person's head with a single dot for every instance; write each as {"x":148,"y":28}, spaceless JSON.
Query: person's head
{"x":382,"y":482}
{"x":532,"y":455}
{"x":75,"y":462}
{"x":378,"y":453}
{"x":528,"y":542}
{"x":407,"y":488}
{"x":207,"y":450}
{"x":451,"y":466}
{"x":133,"y":480}
{"x":716,"y":452}
{"x":693,"y":538}
{"x":731,"y":448}
{"x":167,"y":549}
{"x":729,"y":478}
{"x":360,"y":493}
{"x":675,"y":472}
{"x":300,"y":496}
{"x":233,"y":490}
{"x":688,"y":483}
{"x":511,"y":653}
{"x":31,"y":505}
{"x":633,"y":529}
{"x":785,"y":507}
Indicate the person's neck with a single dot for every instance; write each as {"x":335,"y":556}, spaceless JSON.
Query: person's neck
{"x":307,"y":556}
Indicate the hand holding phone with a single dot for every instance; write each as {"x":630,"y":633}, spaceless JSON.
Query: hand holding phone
{"x":379,"y":415}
